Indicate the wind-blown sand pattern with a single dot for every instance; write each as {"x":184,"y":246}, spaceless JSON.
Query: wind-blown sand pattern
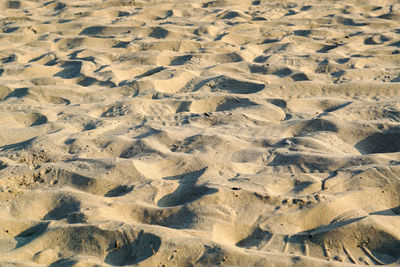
{"x":199,"y":133}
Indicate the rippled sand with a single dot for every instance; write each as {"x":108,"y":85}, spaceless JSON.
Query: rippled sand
{"x":199,"y":133}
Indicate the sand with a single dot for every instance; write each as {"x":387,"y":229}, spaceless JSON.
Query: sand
{"x":199,"y":133}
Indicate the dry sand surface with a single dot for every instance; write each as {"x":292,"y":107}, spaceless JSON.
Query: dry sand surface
{"x":199,"y":133}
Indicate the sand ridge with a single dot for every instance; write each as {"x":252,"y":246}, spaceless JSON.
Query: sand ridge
{"x":199,"y":133}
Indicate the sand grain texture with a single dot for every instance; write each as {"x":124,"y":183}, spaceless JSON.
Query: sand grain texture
{"x":199,"y":133}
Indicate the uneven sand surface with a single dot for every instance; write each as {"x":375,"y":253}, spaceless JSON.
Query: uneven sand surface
{"x":199,"y":133}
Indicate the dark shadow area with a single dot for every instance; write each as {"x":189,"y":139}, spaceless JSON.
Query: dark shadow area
{"x":388,"y":212}
{"x":304,"y":33}
{"x":338,"y":74}
{"x":74,"y":55}
{"x":91,"y":125}
{"x":390,"y":16}
{"x":181,"y":219}
{"x":380,"y":142}
{"x":167,"y":15}
{"x":121,"y":44}
{"x":262,"y":69}
{"x":258,"y":238}
{"x":139,"y":149}
{"x":159,"y":33}
{"x":59,"y":6}
{"x":39,"y":120}
{"x":64,"y":20}
{"x":220,"y":36}
{"x":337,"y":107}
{"x":38,"y":58}
{"x":291,"y":12}
{"x":211,"y":255}
{"x":51,"y":62}
{"x":59,"y":100}
{"x":233,"y":103}
{"x":65,"y":207}
{"x":261,"y":59}
{"x":18,"y":93}
{"x":299,"y":77}
{"x":19,"y":145}
{"x":119,"y":191}
{"x":76,"y":217}
{"x":395,"y":44}
{"x":144,"y":246}
{"x":149,"y":133}
{"x":301,"y":185}
{"x":14,"y":4}
{"x":332,"y":174}
{"x":270,"y":41}
{"x":343,"y":60}
{"x":317,"y":125}
{"x":288,"y":117}
{"x":49,"y":2}
{"x":3,"y":165}
{"x":30,"y":234}
{"x":361,"y":56}
{"x":72,"y":69}
{"x":187,"y":190}
{"x":184,"y":106}
{"x":150,"y":72}
{"x":327,"y":48}
{"x":181,"y":60}
{"x":9,"y":59}
{"x":258,"y":18}
{"x":372,"y":41}
{"x":88,"y":81}
{"x":10,"y":29}
{"x":307,"y":163}
{"x":305,"y":8}
{"x":123,"y":13}
{"x":283,"y":72}
{"x":94,"y":30}
{"x":64,"y":263}
{"x":75,"y":180}
{"x":231,"y":15}
{"x":350,"y":22}
{"x":395,"y":80}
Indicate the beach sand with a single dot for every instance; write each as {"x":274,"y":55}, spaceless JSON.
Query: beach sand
{"x":199,"y":133}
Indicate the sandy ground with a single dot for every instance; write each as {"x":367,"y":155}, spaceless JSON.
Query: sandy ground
{"x":199,"y":133}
